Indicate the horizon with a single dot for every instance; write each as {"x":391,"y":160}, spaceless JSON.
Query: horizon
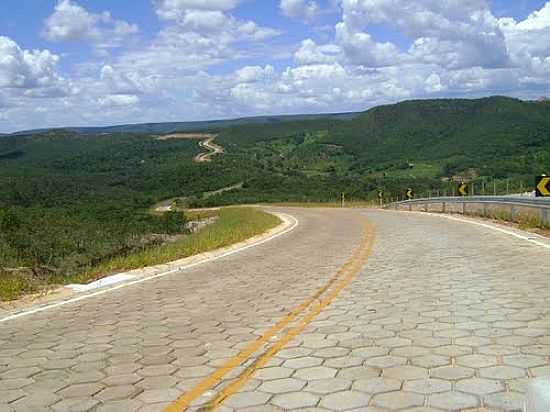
{"x":96,"y":63}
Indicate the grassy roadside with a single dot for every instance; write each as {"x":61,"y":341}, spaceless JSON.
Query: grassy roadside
{"x":232,"y":226}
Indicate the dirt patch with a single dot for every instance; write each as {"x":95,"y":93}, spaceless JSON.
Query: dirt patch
{"x":192,"y":136}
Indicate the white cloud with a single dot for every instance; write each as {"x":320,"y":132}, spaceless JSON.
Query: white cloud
{"x":72,"y":22}
{"x":118,"y":100}
{"x":306,"y":9}
{"x":27,"y":69}
{"x":456,"y":33}
{"x":252,"y":74}
{"x":176,"y":9}
{"x":311,"y":53}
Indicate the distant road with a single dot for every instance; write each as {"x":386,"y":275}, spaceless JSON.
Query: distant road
{"x":352,"y":308}
{"x":213,"y":149}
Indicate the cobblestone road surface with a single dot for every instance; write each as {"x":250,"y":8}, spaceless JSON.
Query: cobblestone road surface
{"x":446,"y":316}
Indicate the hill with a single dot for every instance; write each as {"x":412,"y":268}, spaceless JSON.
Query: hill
{"x":71,"y":199}
{"x":172,"y":127}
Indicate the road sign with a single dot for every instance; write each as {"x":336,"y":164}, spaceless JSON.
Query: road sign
{"x":410,"y":194}
{"x":463,"y":189}
{"x":380,"y":194}
{"x":543,"y":186}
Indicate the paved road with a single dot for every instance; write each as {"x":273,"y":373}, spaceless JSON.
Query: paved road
{"x":444,"y":316}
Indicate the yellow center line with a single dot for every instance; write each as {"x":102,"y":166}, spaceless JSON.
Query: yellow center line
{"x":351,"y":268}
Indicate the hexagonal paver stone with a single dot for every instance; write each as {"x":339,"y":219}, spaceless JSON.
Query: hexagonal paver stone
{"x":10,"y":384}
{"x":304,"y":362}
{"x":117,"y":393}
{"x":476,"y":361}
{"x":324,"y":386}
{"x":116,"y":380}
{"x":82,"y":390}
{"x":541,"y":371}
{"x":479,"y":386}
{"x":382,"y":362}
{"x":452,"y":372}
{"x":159,"y":395}
{"x":317,"y":372}
{"x":505,"y":401}
{"x":295,"y":400}
{"x":20,"y":373}
{"x":345,"y":400}
{"x":427,"y":386}
{"x":524,"y":361}
{"x":245,"y":399}
{"x":36,"y":400}
{"x":405,"y":372}
{"x":333,"y":352}
{"x":275,"y":372}
{"x":502,"y":372}
{"x":453,"y":401}
{"x":292,"y":353}
{"x":398,"y":400}
{"x":343,"y":362}
{"x":369,"y":352}
{"x":10,"y":396}
{"x":377,"y":385}
{"x":497,"y":350}
{"x":75,"y":405}
{"x":431,"y":361}
{"x":282,"y":385}
{"x":129,"y":405}
{"x":157,"y":370}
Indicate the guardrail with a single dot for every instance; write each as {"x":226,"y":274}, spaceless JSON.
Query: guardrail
{"x":513,"y":204}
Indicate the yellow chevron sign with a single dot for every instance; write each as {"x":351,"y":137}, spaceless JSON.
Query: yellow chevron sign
{"x":463,"y":189}
{"x":543,"y":186}
{"x":410,"y":194}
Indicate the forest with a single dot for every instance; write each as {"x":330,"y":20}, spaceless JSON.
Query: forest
{"x":71,"y":200}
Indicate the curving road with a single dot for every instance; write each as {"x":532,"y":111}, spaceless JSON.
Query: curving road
{"x":213,"y":150}
{"x":352,"y":310}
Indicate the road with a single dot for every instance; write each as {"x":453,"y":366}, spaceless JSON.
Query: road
{"x":406,"y":312}
{"x":213,"y":149}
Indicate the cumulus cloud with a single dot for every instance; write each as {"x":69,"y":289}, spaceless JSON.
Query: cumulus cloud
{"x":70,"y":21}
{"x":456,"y":33}
{"x":311,"y":53}
{"x":252,"y":74}
{"x":306,"y":9}
{"x":27,"y":69}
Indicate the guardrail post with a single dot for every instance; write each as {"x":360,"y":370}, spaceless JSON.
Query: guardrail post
{"x":485,"y":210}
{"x":545,"y":220}
{"x":443,"y":207}
{"x":464,"y":208}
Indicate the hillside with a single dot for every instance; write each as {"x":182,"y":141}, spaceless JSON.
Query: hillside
{"x":70,"y":200}
{"x":171,"y":127}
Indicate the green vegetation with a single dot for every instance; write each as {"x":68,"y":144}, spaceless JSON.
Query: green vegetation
{"x":230,"y":226}
{"x":70,"y":202}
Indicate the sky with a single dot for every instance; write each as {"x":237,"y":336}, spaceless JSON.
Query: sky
{"x":104,"y":62}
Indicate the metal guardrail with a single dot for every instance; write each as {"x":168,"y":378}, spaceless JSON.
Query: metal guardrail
{"x":513,"y":203}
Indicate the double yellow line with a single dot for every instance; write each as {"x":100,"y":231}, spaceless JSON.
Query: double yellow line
{"x":318,"y":301}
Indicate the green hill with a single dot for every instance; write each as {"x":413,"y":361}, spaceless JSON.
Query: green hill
{"x":71,"y":199}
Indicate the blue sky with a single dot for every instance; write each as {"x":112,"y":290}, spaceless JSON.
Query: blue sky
{"x":99,"y":62}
